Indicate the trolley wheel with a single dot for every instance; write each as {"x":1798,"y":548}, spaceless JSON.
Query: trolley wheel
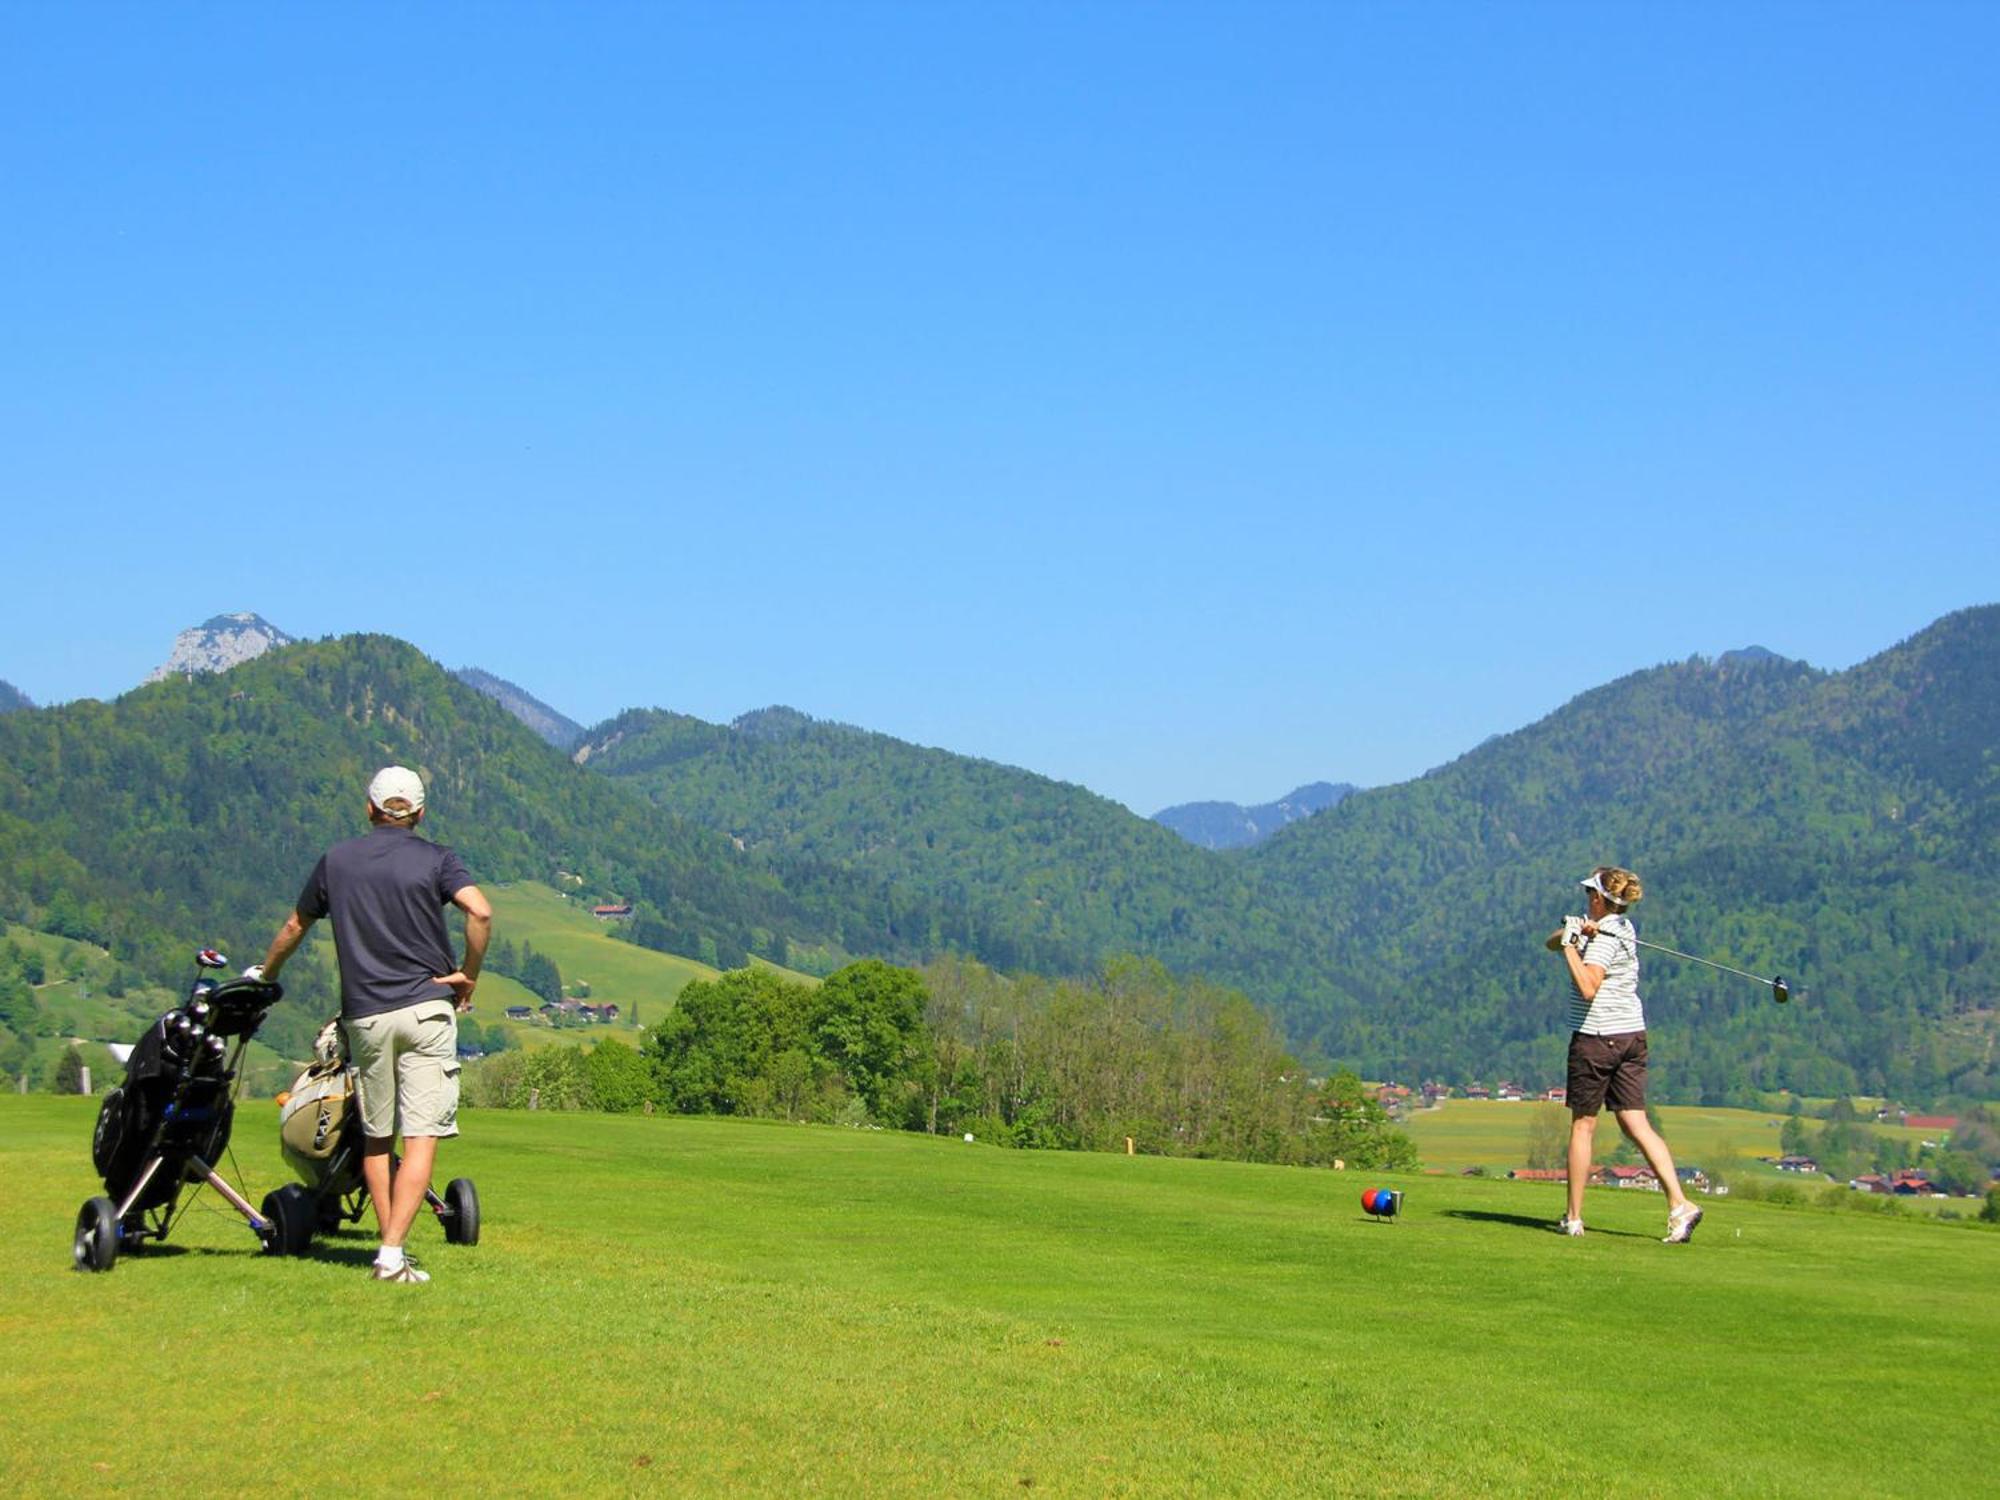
{"x":461,"y":1212}
{"x":291,"y":1212}
{"x":96,"y":1245}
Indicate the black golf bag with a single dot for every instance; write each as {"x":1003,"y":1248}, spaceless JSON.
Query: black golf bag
{"x":167,"y":1125}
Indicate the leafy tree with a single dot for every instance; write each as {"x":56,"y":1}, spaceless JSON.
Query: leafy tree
{"x":1548,"y":1137}
{"x":618,"y":1077}
{"x":1960,"y":1173}
{"x":17,"y":1002}
{"x":723,"y":1034}
{"x":867,"y":1021}
{"x":69,"y":1072}
{"x":1977,"y":1138}
{"x":539,"y":975}
{"x":1358,"y":1129}
{"x":558,"y":1078}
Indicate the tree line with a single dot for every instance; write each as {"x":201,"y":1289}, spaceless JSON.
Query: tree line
{"x":1176,"y":1066}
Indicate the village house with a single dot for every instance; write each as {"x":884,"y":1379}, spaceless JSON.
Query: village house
{"x":1632,"y":1177}
{"x":1553,"y":1174}
{"x":612,"y":912}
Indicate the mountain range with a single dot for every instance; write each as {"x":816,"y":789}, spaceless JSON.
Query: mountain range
{"x":1841,"y":827}
{"x":556,"y":728}
{"x":1230,"y":825}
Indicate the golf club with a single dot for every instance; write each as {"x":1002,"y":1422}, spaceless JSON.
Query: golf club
{"x":1780,"y":991}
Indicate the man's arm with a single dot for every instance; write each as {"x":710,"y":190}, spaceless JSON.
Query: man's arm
{"x":478,"y":928}
{"x":285,"y":944}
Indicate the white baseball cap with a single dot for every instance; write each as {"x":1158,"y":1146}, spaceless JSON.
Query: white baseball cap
{"x":397,"y":781}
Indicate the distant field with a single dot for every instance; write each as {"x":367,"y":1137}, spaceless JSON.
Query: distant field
{"x":692,"y":1307}
{"x":1487,"y":1133}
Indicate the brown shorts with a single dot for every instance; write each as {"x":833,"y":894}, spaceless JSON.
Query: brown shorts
{"x":1607,"y":1070}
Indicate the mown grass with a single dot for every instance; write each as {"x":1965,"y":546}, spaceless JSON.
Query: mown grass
{"x":682,"y":1306}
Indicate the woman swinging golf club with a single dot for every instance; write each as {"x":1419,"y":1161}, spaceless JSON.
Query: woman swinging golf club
{"x":1607,"y":1045}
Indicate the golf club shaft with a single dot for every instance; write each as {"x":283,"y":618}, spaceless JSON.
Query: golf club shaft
{"x":1691,"y":958}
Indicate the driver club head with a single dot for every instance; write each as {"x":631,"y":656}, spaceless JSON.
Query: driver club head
{"x":1780,"y":991}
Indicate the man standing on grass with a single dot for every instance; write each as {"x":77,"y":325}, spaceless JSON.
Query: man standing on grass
{"x":386,"y":892}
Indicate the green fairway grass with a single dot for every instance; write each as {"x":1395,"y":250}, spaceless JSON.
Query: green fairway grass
{"x":692,"y":1306}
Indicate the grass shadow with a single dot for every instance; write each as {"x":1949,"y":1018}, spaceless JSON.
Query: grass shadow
{"x":1525,"y":1221}
{"x":342,"y":1255}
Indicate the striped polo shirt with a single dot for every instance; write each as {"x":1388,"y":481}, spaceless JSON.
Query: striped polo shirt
{"x":1616,"y":1009}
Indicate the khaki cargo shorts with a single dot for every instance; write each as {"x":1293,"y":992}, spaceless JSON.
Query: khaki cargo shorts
{"x":406,"y":1062}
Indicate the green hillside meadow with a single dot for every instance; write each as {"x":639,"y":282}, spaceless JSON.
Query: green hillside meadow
{"x":585,"y":949}
{"x":641,"y":982}
{"x":688,"y":1306}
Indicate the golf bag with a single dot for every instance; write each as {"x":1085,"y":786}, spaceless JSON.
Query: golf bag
{"x":167,"y":1124}
{"x":319,"y":1131}
{"x":314,"y":1117}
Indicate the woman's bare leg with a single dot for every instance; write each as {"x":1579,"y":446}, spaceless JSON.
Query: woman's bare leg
{"x":1641,"y":1133}
{"x":1582,"y":1140}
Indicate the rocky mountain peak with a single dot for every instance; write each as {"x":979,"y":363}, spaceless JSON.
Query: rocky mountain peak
{"x":219,"y":643}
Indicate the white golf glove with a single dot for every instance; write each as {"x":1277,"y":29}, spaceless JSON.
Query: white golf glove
{"x":1572,"y":932}
{"x":255,"y":971}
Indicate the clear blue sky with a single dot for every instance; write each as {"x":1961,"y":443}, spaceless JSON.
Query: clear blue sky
{"x":1185,"y":400}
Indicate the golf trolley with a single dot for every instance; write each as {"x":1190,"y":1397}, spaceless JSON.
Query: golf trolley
{"x":167,"y":1126}
{"x":319,"y":1131}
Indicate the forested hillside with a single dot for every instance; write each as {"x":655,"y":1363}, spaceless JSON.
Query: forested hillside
{"x":1018,"y":870}
{"x":12,"y":698}
{"x":1840,"y":828}
{"x":191,"y":810}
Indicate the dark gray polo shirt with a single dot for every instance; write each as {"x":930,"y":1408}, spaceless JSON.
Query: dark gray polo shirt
{"x":386,"y":892}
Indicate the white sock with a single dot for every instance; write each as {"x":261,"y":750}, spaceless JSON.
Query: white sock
{"x":389,"y":1257}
